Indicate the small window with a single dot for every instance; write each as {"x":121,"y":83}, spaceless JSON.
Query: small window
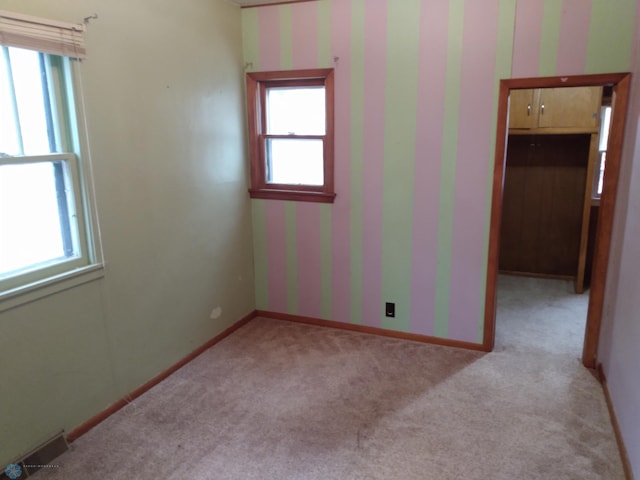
{"x":43,"y":223}
{"x":291,"y":135}
{"x":605,"y":123}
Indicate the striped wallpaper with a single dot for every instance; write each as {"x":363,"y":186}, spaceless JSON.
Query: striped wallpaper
{"x":416,"y":106}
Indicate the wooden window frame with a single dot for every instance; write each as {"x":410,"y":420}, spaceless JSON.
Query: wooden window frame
{"x":257,"y":85}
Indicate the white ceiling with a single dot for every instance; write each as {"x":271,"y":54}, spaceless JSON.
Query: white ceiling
{"x":248,"y":3}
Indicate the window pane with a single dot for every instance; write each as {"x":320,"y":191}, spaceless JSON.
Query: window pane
{"x":31,"y":230}
{"x":295,"y":162}
{"x":27,"y":80}
{"x":603,"y":161}
{"x":299,"y":111}
{"x":8,"y":133}
{"x":605,"y":121}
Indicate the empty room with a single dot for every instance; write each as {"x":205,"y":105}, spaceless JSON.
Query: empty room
{"x":288,"y":239}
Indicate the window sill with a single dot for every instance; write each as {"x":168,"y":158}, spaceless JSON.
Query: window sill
{"x":293,"y":195}
{"x":28,"y":293}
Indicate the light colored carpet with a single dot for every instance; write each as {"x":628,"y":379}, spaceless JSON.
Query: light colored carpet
{"x":541,"y":316}
{"x":278,"y":400}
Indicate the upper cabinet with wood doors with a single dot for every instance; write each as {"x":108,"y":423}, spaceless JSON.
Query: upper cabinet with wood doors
{"x":555,"y":110}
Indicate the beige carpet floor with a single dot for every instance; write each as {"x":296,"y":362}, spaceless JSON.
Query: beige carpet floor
{"x":278,"y":400}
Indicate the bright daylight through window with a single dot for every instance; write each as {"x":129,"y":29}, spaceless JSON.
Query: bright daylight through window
{"x":605,"y":125}
{"x":44,"y":227}
{"x":291,"y":135}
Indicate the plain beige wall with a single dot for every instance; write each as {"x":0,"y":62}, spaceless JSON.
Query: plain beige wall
{"x":164,"y":104}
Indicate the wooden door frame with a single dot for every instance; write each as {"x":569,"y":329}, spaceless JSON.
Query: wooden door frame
{"x":620,"y":83}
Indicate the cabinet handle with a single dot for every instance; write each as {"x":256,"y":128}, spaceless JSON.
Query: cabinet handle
{"x":528,"y":110}
{"x":542,"y":109}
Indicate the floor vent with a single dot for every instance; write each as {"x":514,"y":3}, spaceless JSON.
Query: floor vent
{"x":40,"y":457}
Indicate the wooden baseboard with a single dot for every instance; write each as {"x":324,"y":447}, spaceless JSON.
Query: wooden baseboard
{"x":551,"y":276}
{"x":283,"y":2}
{"x":626,"y":464}
{"x":100,"y":417}
{"x":372,"y":330}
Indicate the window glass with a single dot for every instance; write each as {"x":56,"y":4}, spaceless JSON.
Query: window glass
{"x":28,"y":76}
{"x":32,"y":232}
{"x":9,"y":144}
{"x":296,"y":111}
{"x":605,"y":122}
{"x":294,"y":161}
{"x":603,"y":162}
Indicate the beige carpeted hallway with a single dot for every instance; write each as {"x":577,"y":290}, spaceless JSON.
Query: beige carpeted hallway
{"x":278,"y":400}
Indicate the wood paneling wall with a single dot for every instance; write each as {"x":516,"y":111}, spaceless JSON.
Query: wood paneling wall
{"x":543,"y":198}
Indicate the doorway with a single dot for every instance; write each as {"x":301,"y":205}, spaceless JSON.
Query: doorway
{"x":619,"y":84}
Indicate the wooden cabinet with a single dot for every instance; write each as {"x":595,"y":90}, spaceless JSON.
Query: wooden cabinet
{"x":551,"y":153}
{"x":523,"y":109}
{"x":555,"y":110}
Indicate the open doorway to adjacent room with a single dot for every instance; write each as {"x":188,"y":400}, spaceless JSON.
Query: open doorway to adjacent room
{"x":552,"y":209}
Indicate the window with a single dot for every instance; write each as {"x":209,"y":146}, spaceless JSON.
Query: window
{"x":605,"y":123}
{"x":291,"y":135}
{"x":45,"y":230}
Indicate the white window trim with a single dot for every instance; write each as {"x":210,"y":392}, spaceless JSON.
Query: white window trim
{"x":65,"y":274}
{"x":50,"y":286}
{"x":54,"y":267}
{"x":72,"y":46}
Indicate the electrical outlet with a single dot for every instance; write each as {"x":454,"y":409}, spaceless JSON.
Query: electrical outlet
{"x":390,"y":309}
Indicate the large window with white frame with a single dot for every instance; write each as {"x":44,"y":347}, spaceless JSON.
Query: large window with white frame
{"x":45,"y":225}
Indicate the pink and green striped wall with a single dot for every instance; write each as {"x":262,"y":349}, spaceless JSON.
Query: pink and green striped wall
{"x":416,"y":106}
